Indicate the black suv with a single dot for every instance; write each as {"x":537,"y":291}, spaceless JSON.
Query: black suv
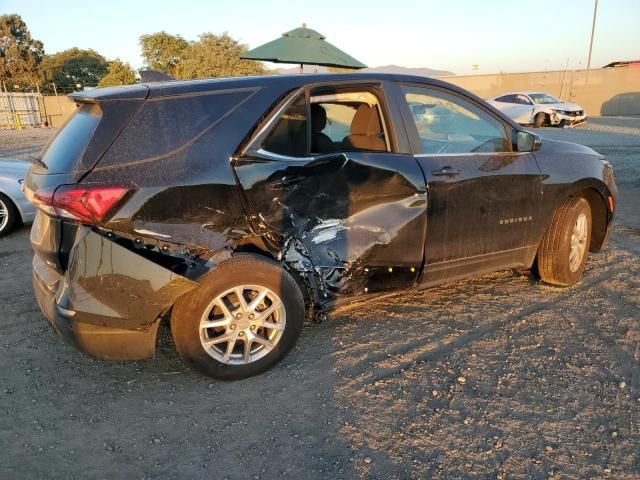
{"x":239,"y":207}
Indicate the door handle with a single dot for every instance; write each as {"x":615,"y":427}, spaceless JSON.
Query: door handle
{"x":445,"y":171}
{"x":286,"y":183}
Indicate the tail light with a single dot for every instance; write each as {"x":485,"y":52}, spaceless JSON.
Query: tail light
{"x":90,"y":203}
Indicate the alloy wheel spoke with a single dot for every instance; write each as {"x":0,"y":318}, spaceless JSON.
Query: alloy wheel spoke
{"x":223,"y":322}
{"x":247,"y":350}
{"x":225,"y":311}
{"x":258,"y":300}
{"x":225,"y":337}
{"x":227,"y":354}
{"x":272,"y":326}
{"x":264,"y":315}
{"x":263,"y":341}
{"x":239,"y":291}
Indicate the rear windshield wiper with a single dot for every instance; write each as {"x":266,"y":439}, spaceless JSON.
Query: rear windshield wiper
{"x":38,"y":161}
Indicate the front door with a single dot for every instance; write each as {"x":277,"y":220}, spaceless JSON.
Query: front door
{"x":483,"y":197}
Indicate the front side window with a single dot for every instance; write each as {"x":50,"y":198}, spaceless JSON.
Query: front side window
{"x":543,"y":98}
{"x":449,"y":124}
{"x":523,"y":100}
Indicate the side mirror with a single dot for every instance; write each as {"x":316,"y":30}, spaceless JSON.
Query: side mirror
{"x":528,"y":142}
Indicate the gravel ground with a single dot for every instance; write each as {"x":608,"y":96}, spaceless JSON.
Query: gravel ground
{"x":495,"y":377}
{"x":20,"y":144}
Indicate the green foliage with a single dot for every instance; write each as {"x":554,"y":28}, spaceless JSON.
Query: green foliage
{"x":119,"y":73}
{"x":210,"y":56}
{"x":74,"y":67}
{"x":217,"y":56}
{"x":163,"y":52}
{"x":20,"y":55}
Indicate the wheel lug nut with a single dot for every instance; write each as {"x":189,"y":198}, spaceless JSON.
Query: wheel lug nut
{"x":232,"y":326}
{"x":241,"y":334}
{"x":252,"y":327}
{"x":251,"y":316}
{"x":238,"y":315}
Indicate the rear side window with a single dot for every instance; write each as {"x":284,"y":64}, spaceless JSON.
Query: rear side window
{"x":169,"y":126}
{"x":64,"y":151}
{"x":334,"y":119}
{"x":506,"y":99}
{"x":289,"y":136}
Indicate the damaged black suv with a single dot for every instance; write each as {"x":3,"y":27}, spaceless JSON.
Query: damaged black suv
{"x":238,"y":207}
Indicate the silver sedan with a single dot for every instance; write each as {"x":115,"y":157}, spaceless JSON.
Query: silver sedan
{"x":14,"y":207}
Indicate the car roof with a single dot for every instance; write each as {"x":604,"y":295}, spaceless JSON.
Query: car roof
{"x":523,"y":92}
{"x":282,"y":82}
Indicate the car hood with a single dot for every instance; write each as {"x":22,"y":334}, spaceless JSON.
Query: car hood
{"x":558,"y":147}
{"x":561,"y":106}
{"x":13,"y":168}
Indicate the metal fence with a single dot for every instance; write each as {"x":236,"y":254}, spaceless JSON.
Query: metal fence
{"x":20,"y":110}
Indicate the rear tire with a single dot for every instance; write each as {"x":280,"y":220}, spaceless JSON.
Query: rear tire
{"x":564,"y":247}
{"x":8,"y":215}
{"x":228,"y":338}
{"x":539,"y":120}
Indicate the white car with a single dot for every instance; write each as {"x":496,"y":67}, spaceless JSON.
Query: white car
{"x":539,"y":109}
{"x":14,"y":207}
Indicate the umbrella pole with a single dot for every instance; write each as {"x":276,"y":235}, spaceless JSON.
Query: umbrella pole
{"x":301,"y":68}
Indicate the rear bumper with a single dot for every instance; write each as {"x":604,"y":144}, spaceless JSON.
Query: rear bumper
{"x":108,"y":302}
{"x":99,"y":341}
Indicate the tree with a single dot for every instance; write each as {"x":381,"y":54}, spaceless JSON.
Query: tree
{"x":73,"y":67}
{"x":217,"y":56}
{"x":119,"y":73}
{"x":163,"y":52}
{"x":20,"y":55}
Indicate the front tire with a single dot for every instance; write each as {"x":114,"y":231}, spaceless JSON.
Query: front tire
{"x":245,"y":317}
{"x":539,"y":120}
{"x":564,"y":247}
{"x":8,"y":215}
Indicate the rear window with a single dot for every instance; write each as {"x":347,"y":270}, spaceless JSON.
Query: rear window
{"x":64,"y":151}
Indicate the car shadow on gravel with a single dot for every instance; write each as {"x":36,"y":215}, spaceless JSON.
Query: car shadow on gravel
{"x":496,"y":377}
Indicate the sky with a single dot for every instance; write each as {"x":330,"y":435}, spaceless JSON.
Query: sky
{"x":495,"y":35}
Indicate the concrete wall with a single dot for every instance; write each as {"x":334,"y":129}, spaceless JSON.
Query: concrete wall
{"x":57,"y":110}
{"x":606,"y":91}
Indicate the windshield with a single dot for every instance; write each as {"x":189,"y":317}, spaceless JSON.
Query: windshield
{"x":543,"y":98}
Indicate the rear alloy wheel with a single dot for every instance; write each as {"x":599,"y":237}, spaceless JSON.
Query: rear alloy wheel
{"x":564,"y":248}
{"x":8,"y":215}
{"x":539,"y":120}
{"x":242,"y":325}
{"x":244,"y":318}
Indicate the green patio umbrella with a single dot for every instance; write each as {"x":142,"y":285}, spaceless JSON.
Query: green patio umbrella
{"x":303,"y":46}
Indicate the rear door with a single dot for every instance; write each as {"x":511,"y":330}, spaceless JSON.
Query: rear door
{"x":331,"y":179}
{"x":483,"y":196}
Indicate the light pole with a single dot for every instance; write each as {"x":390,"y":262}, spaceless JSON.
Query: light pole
{"x":593,"y":29}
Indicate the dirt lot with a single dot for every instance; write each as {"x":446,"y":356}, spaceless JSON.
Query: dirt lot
{"x":495,"y":377}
